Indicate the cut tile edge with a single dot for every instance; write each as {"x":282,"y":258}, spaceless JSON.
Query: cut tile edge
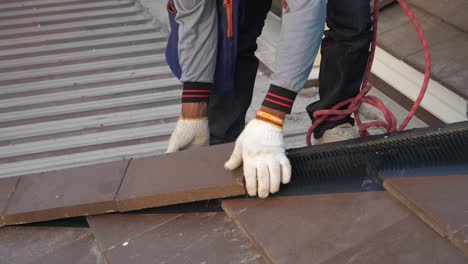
{"x":158,"y":200}
{"x":424,"y":216}
{"x":7,"y":201}
{"x":99,"y":244}
{"x":102,"y":206}
{"x":60,"y":213}
{"x":233,"y":215}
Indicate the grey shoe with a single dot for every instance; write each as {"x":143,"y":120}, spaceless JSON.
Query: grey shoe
{"x":339,"y":133}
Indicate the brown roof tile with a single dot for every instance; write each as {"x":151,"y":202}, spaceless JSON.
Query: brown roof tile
{"x":66,"y":193}
{"x":37,"y":244}
{"x":441,"y":202}
{"x":185,"y":176}
{"x":321,"y":228}
{"x":173,"y":238}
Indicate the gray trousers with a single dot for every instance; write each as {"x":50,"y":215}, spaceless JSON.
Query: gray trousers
{"x":301,"y":34}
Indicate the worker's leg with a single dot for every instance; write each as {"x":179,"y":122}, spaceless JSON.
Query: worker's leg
{"x":198,"y":37}
{"x":227,"y":112}
{"x":345,"y":51}
{"x":301,"y":33}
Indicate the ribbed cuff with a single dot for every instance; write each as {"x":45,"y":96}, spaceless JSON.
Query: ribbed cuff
{"x":280,"y":99}
{"x":194,"y":92}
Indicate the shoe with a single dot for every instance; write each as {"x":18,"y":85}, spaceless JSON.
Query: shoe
{"x":339,"y":133}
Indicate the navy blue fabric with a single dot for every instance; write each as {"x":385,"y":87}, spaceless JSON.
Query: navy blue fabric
{"x":226,"y":112}
{"x":172,"y":54}
{"x":224,"y":79}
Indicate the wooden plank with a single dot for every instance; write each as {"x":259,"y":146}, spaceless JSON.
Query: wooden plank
{"x":459,"y":80}
{"x":440,"y":201}
{"x":439,"y":99}
{"x":7,"y":187}
{"x":172,"y":238}
{"x":404,"y":41}
{"x":447,"y":57}
{"x":180,"y":177}
{"x":449,"y":62}
{"x":392,"y":17}
{"x":65,"y":193}
{"x":450,"y":11}
{"x":38,"y":244}
{"x":395,"y":95}
{"x":325,"y":228}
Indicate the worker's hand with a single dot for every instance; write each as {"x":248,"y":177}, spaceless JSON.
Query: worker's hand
{"x":260,"y":147}
{"x":192,"y":128}
{"x":189,"y":133}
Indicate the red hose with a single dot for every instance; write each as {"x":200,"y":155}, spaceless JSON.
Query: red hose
{"x":390,"y":124}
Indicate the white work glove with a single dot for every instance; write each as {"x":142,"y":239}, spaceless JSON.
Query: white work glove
{"x":189,"y":133}
{"x":261,"y":148}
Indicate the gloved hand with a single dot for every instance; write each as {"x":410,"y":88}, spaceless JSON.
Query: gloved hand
{"x":189,"y":133}
{"x":261,"y":148}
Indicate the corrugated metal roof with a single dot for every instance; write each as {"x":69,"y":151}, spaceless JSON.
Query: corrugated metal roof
{"x":82,"y":82}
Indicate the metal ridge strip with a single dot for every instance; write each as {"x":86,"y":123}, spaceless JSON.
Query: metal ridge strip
{"x":7,"y":6}
{"x":81,"y":159}
{"x":88,"y":106}
{"x":85,"y":140}
{"x":82,"y":67}
{"x":69,"y":18}
{"x":94,"y":121}
{"x":76,"y":55}
{"x":74,"y":94}
{"x":78,"y":26}
{"x":84,"y":45}
{"x":77,"y":34}
{"x":27,"y":12}
{"x":88,"y":79}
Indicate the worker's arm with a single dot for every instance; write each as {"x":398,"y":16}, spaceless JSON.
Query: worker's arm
{"x":261,"y":146}
{"x":197,"y":47}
